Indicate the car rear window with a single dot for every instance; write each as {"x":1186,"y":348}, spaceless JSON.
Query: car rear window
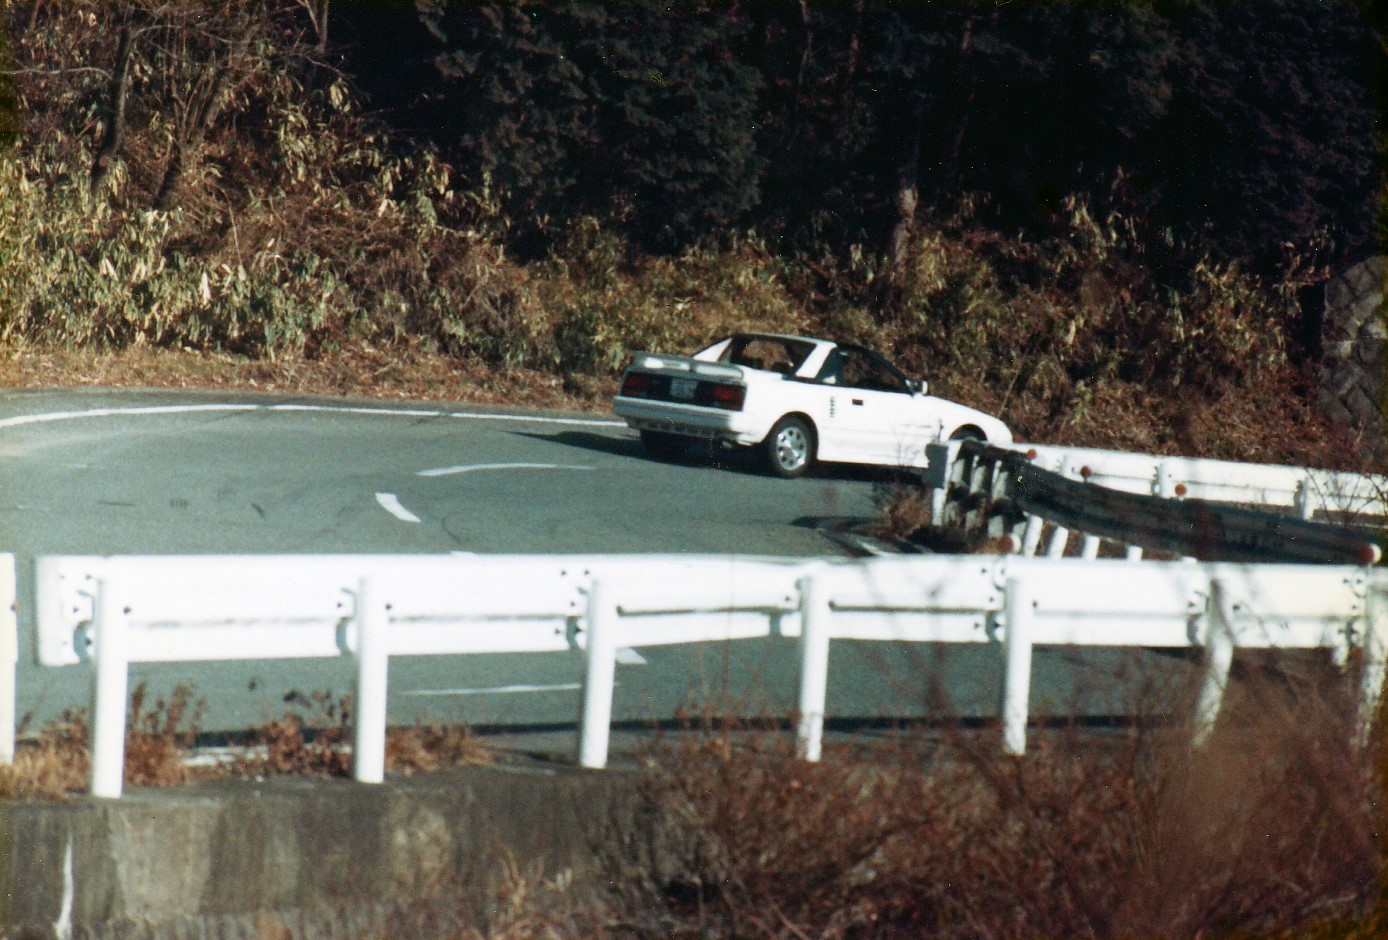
{"x":771,"y":353}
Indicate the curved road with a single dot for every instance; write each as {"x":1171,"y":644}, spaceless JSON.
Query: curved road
{"x":105,"y":472}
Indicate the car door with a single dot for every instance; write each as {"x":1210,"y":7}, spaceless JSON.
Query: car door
{"x":872,"y":415}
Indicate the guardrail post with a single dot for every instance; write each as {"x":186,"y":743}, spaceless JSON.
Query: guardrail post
{"x":1375,"y":656}
{"x":814,"y":666}
{"x":9,"y":658}
{"x":1060,"y":536}
{"x":1162,"y":486}
{"x":595,"y":722}
{"x":1219,"y":657}
{"x":1090,"y":549}
{"x":109,"y":694}
{"x":937,"y":505}
{"x":1016,"y":679}
{"x":373,"y":666}
{"x":956,"y":485}
{"x":1031,"y":535}
{"x":1302,"y":502}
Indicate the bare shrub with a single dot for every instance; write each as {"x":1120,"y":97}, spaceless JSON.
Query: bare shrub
{"x":56,"y":764}
{"x":158,"y":737}
{"x":432,"y":747}
{"x":1268,"y":827}
{"x":310,"y":739}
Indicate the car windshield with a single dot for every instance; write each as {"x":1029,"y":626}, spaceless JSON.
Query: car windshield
{"x":771,"y":353}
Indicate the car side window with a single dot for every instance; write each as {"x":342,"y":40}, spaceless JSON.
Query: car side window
{"x":856,"y":368}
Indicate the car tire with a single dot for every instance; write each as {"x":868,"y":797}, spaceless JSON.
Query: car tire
{"x":968,"y":433}
{"x":789,"y":450}
{"x":663,"y":446}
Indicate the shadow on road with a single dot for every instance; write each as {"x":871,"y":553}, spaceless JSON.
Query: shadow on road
{"x":736,"y":460}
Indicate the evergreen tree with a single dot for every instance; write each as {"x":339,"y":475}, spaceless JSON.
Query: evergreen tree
{"x":1270,"y":137}
{"x":629,"y":111}
{"x":9,"y":100}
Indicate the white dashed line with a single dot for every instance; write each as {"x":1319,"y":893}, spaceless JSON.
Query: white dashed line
{"x":472,"y":468}
{"x":391,"y":504}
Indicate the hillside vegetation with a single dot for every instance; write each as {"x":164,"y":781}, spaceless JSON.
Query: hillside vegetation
{"x":245,"y":194}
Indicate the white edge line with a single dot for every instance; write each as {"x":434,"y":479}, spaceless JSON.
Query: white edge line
{"x":627,"y":656}
{"x":391,"y":504}
{"x":471,"y":468}
{"x":501,"y":690}
{"x":143,"y":410}
{"x":50,"y":416}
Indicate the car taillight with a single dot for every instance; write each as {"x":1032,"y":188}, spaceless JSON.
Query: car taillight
{"x":729,"y":397}
{"x":636,"y":384}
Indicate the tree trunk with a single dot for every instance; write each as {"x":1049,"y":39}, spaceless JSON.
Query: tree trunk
{"x":115,"y":110}
{"x":189,"y":136}
{"x":33,"y":20}
{"x":907,"y":199}
{"x":949,"y":169}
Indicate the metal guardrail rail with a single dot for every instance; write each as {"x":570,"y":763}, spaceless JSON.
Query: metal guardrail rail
{"x":112,"y":612}
{"x":1307,"y":493}
{"x":998,"y":492}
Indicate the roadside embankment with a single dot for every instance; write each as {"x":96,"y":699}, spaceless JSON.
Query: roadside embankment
{"x":307,"y":858}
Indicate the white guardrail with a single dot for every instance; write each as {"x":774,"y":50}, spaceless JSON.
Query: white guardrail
{"x":1306,"y":493}
{"x":120,"y":610}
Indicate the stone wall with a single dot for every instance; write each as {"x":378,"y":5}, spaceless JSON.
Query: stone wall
{"x":1351,"y":355}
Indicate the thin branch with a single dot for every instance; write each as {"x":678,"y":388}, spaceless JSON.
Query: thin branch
{"x":77,"y":69}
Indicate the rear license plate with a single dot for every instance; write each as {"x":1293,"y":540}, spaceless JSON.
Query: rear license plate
{"x":683,"y":388}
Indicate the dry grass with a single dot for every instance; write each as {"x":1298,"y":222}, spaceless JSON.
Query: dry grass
{"x":407,"y":372}
{"x":1272,"y":827}
{"x":312,"y":738}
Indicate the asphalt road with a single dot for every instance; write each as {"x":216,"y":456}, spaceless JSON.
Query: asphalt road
{"x":105,"y":472}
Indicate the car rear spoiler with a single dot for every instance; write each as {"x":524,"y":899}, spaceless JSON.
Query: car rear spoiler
{"x":663,"y":363}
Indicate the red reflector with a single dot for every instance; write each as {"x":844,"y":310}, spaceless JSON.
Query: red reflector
{"x":729,"y":396}
{"x":636,"y":383}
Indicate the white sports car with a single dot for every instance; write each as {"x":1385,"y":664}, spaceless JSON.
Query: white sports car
{"x":797,"y":399}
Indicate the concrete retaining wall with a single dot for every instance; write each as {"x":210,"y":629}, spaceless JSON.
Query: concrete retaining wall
{"x":1351,"y":368}
{"x":310,"y":858}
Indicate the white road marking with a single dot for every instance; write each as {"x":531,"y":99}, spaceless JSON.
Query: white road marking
{"x":49,"y":417}
{"x":391,"y":504}
{"x":502,"y":690}
{"x":588,"y":422}
{"x":471,"y":468}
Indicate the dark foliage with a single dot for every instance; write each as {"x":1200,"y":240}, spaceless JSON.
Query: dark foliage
{"x":9,"y":101}
{"x":1246,"y":127}
{"x":631,"y":112}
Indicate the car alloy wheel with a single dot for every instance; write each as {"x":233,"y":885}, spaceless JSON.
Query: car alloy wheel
{"x":790,"y":447}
